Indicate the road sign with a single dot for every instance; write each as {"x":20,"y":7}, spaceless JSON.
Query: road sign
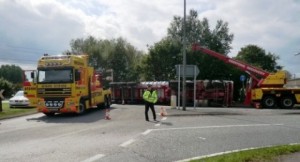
{"x":1,"y":94}
{"x":242,"y":78}
{"x":190,"y":70}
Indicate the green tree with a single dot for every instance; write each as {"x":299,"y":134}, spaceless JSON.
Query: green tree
{"x":161,"y":61}
{"x":119,"y":58}
{"x":116,"y":54}
{"x":258,"y":57}
{"x":7,"y":86}
{"x":198,"y":31}
{"x":11,"y":79}
{"x":93,"y":48}
{"x":12,"y":73}
{"x":135,"y":58}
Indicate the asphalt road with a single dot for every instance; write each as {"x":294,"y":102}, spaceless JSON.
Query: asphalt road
{"x":128,"y":137}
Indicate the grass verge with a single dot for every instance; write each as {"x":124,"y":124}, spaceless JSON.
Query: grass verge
{"x":14,"y":112}
{"x":267,"y":154}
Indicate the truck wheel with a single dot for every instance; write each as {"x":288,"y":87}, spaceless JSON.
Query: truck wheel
{"x":50,"y":114}
{"x":268,"y":102}
{"x":287,"y":102}
{"x":81,"y":108}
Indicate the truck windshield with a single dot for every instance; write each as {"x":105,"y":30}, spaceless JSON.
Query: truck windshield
{"x":55,"y":76}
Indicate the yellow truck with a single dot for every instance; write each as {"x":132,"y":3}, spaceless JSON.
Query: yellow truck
{"x":67,"y":84}
{"x":264,"y":89}
{"x":29,"y":87}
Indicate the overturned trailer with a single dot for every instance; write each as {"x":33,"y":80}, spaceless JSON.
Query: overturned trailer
{"x":132,"y":92}
{"x":208,"y":93}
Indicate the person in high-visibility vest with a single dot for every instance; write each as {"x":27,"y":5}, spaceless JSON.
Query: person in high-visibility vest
{"x":150,"y":98}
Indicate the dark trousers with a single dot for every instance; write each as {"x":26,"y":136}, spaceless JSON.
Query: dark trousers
{"x":151,"y":106}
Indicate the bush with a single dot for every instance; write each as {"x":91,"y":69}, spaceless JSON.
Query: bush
{"x":8,"y":88}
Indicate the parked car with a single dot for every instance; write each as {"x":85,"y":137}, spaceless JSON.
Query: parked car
{"x":18,"y":100}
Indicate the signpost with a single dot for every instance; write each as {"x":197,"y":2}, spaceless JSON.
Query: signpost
{"x":111,"y":77}
{"x":191,"y":71}
{"x":1,"y":98}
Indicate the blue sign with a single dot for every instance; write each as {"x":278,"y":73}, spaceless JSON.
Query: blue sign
{"x":242,"y":78}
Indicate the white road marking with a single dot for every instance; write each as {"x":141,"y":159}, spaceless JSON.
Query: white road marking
{"x":147,"y":131}
{"x":202,"y":138}
{"x":94,"y":158}
{"x":209,"y":127}
{"x":218,"y":126}
{"x":125,"y":144}
{"x":157,"y":125}
{"x":164,"y":118}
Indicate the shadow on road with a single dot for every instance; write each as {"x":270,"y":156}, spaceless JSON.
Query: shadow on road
{"x":167,"y":123}
{"x":292,"y":113}
{"x":91,"y":115}
{"x":197,"y":113}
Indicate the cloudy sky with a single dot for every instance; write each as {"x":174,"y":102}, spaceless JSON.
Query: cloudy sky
{"x":30,"y":28}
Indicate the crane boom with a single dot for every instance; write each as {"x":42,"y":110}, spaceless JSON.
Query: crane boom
{"x":256,"y":87}
{"x":266,"y":79}
{"x":241,"y":65}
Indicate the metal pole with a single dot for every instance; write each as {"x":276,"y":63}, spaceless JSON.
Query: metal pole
{"x":178,"y":93}
{"x":184,"y":62}
{"x":112,"y":75}
{"x":194,"y":86}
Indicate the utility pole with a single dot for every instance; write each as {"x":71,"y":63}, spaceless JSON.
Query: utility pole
{"x":184,"y":60}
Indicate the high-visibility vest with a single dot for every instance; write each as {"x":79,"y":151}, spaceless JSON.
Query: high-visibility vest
{"x":150,"y":97}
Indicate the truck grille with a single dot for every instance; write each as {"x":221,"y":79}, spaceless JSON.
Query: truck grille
{"x":43,"y":92}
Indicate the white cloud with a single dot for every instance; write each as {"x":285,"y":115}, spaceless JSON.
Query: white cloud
{"x":30,"y":28}
{"x":272,"y":25}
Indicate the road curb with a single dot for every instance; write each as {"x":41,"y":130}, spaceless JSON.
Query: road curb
{"x":228,"y":152}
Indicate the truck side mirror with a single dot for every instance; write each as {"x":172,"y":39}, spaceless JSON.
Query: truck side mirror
{"x":77,"y":75}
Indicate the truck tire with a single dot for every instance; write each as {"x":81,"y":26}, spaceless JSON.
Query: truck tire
{"x":81,"y":108}
{"x":287,"y":102}
{"x":268,"y":102}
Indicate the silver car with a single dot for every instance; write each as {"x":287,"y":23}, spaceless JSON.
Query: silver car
{"x":18,"y":100}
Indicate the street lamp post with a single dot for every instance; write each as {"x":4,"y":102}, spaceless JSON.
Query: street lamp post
{"x":184,"y":60}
